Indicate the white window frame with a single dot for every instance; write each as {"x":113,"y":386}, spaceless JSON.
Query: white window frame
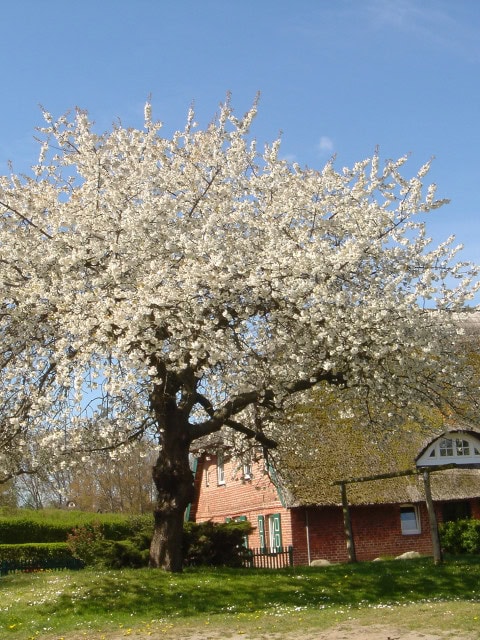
{"x":275,"y":532}
{"x":407,"y":525}
{"x":220,"y":468}
{"x":451,"y":448}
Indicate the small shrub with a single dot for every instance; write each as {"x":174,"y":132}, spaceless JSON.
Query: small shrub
{"x":215,"y":544}
{"x":471,"y":537}
{"x":95,"y":544}
{"x":125,"y":554}
{"x":86,"y":543}
{"x":132,"y":552}
{"x":461,"y":536}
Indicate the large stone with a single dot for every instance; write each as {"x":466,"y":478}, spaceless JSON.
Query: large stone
{"x":408,"y":555}
{"x":320,"y":563}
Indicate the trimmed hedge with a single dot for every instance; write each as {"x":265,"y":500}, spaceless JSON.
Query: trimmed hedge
{"x":53,"y":551}
{"x":41,"y":527}
{"x":461,"y":536}
{"x":23,"y":531}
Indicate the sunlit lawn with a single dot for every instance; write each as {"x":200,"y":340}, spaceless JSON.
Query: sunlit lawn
{"x":89,"y":602}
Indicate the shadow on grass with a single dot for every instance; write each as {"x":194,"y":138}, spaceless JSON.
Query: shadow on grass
{"x":210,"y":591}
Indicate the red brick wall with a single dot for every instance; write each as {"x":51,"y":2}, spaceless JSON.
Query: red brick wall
{"x":376,"y":532}
{"x":324,"y":527}
{"x":237,"y":497}
{"x":475,"y":506}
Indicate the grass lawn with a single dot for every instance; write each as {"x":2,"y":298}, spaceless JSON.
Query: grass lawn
{"x":92,"y":603}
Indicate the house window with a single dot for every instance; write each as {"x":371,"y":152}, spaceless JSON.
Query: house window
{"x":452,"y":447}
{"x":462,"y":447}
{"x":261,"y":532}
{"x":457,"y":510}
{"x":247,"y":471}
{"x":270,"y":531}
{"x":459,"y":450}
{"x":455,"y":447}
{"x":409,"y":520}
{"x":446,"y":448}
{"x":220,"y":468}
{"x":239,"y":519}
{"x":275,"y":532}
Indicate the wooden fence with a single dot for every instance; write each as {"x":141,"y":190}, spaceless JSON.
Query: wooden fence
{"x":30,"y":566}
{"x":269,"y":558}
{"x":253,"y":558}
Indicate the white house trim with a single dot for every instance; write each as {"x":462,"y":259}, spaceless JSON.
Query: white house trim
{"x":456,"y":447}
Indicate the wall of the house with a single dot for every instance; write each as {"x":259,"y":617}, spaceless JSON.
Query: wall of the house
{"x":376,"y":528}
{"x":376,"y":531}
{"x":475,"y":506}
{"x":238,"y":496}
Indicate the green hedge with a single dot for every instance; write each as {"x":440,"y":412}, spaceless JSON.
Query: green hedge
{"x":55,"y":551}
{"x":22,"y":530}
{"x":461,"y":536}
{"x":204,"y":544}
{"x":113,"y":540}
{"x":42,"y":527}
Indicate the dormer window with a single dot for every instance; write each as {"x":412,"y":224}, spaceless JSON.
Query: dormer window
{"x":460,"y":448}
{"x":449,"y":447}
{"x":445,"y":448}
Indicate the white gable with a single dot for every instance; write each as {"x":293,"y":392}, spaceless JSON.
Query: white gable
{"x":453,"y":447}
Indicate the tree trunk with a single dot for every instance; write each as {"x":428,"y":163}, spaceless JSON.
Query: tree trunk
{"x":173,"y":480}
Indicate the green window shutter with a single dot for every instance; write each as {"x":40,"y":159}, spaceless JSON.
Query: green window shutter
{"x":261,"y":531}
{"x":277,"y":530}
{"x":227,"y":520}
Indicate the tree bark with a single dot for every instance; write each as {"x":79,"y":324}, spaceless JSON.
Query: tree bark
{"x":173,"y":480}
{"x":432,"y":519}
{"x":347,"y":524}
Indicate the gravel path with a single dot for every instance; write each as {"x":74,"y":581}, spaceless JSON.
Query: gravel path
{"x":344,"y":631}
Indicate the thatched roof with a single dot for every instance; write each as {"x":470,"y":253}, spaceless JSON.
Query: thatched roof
{"x":345,"y":452}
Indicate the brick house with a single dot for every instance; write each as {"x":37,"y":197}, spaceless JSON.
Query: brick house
{"x":299,"y":504}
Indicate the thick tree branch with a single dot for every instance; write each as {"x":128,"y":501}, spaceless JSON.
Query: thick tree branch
{"x":223,"y":416}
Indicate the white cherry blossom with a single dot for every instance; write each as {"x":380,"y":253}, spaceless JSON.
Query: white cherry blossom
{"x":165,"y":287}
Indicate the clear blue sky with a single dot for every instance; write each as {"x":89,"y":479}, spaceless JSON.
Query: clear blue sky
{"x":335,"y":76}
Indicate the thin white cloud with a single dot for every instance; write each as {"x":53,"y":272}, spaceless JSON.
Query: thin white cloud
{"x":432,"y":22}
{"x":325,"y":145}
